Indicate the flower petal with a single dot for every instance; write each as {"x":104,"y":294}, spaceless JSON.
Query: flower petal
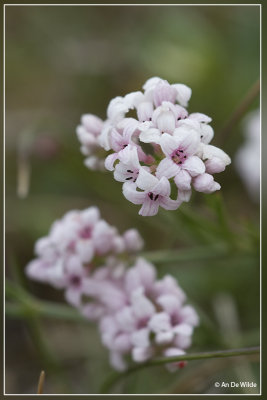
{"x":110,"y":160}
{"x":140,"y":338}
{"x":205,"y":183}
{"x":194,"y":165}
{"x":117,"y":361}
{"x":184,"y":195}
{"x":163,"y":91}
{"x":142,"y":307}
{"x":168,"y":144}
{"x":151,"y":135}
{"x":183,"y":180}
{"x":167,"y":168}
{"x":73,"y":296}
{"x":210,"y":151}
{"x":141,"y":354}
{"x":162,"y":188}
{"x":149,"y":208}
{"x":183,"y":94}
{"x":166,"y":122}
{"x":214,"y":165}
{"x":92,"y":123}
{"x":144,"y":111}
{"x":130,"y":193}
{"x":187,"y":138}
{"x":145,"y":180}
{"x":129,"y":156}
{"x":117,"y":108}
{"x":200,"y":117}
{"x":169,"y":204}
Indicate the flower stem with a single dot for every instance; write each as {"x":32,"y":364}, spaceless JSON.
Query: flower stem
{"x":116,"y":377}
{"x":239,"y":112}
{"x":27,"y":306}
{"x":197,"y":253}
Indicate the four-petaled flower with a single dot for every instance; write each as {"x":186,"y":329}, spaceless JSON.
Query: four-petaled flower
{"x":154,"y":193}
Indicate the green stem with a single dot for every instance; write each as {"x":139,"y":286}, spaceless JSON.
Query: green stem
{"x":181,"y":255}
{"x":239,"y":112}
{"x":43,"y":309}
{"x":27,"y":306}
{"x":116,"y":377}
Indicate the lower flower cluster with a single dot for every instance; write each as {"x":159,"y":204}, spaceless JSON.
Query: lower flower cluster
{"x":152,"y":321}
{"x":139,"y":316}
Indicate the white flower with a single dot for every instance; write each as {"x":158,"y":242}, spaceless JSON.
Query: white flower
{"x":247,"y":159}
{"x":160,"y":144}
{"x":155,"y":193}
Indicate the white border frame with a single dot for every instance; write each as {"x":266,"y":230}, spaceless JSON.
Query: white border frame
{"x":4,"y":110}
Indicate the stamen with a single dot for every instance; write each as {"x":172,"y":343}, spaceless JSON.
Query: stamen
{"x":129,"y":178}
{"x":128,"y":170}
{"x":150,"y":195}
{"x":156,"y":197}
{"x":75,"y":280}
{"x":176,"y":159}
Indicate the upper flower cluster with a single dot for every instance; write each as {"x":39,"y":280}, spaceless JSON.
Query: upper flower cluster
{"x":163,"y":144}
{"x":137,"y":314}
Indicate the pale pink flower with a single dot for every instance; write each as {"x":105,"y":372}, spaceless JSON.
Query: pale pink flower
{"x":82,"y":255}
{"x":162,"y":142}
{"x":205,"y":183}
{"x":215,"y":159}
{"x":88,"y":134}
{"x":199,"y":122}
{"x":162,"y":90}
{"x":133,"y":241}
{"x":120,"y":138}
{"x":154,"y":321}
{"x":128,"y":167}
{"x":181,"y":161}
{"x":155,"y":193}
{"x":165,"y":119}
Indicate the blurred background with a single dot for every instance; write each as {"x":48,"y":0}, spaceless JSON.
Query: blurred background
{"x":62,"y":62}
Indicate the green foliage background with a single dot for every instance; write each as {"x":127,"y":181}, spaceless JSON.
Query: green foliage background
{"x":62,"y":62}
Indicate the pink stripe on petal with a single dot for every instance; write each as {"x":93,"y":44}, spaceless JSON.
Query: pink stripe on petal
{"x":149,"y":208}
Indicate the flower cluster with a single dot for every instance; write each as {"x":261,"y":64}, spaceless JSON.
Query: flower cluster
{"x":139,"y":317}
{"x":153,"y":321}
{"x":163,"y":145}
{"x":79,"y":247}
{"x":88,"y":132}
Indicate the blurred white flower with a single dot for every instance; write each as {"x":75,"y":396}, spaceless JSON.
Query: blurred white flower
{"x":248,"y":157}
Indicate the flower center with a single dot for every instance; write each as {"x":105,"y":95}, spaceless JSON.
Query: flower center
{"x":85,"y":233}
{"x":178,"y":156}
{"x":75,"y":280}
{"x":133,"y":174}
{"x":153,"y":196}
